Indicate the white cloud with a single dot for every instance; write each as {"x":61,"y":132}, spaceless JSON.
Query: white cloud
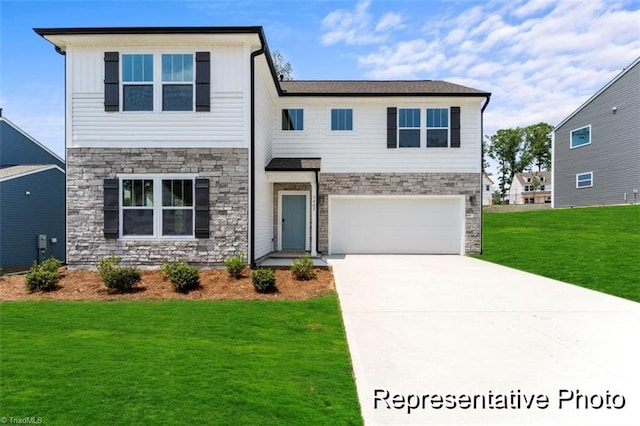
{"x":541,"y":58}
{"x":358,"y":26}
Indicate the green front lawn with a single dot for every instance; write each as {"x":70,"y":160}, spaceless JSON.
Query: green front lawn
{"x":176,"y":362}
{"x":597,"y":248}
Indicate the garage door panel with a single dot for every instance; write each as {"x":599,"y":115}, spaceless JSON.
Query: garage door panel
{"x":396,"y":225}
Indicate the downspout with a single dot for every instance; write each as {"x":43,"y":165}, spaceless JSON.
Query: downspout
{"x":252,"y":162}
{"x":317,"y":210}
{"x":66,"y":183}
{"x":482,"y":164}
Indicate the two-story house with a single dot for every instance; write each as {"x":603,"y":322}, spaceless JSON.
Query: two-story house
{"x":530,"y":188}
{"x":182,"y":143}
{"x":596,"y":149}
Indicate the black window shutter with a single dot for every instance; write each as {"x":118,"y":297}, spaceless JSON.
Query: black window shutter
{"x":392,"y":127}
{"x":111,"y":81}
{"x":455,"y":127}
{"x":203,"y":81}
{"x":202,"y":208}
{"x":111,"y":214}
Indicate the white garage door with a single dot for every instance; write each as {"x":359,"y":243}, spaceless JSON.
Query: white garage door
{"x":396,"y":224}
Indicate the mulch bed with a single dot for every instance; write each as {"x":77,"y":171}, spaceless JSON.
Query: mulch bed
{"x":215,"y":284}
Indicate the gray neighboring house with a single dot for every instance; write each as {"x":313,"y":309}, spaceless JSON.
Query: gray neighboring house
{"x":596,"y":149}
{"x":32,"y":197}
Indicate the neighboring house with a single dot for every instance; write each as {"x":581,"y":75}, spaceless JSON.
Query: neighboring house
{"x":32,"y":181}
{"x":487,"y":190}
{"x":183,"y":144}
{"x":531,"y":188}
{"x":596,"y":149}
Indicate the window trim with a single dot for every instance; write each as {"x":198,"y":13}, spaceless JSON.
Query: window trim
{"x":590,"y":174}
{"x":158,"y":208}
{"x":419,"y":128}
{"x":330,"y":120}
{"x":571,"y":146}
{"x":285,"y":131}
{"x":158,"y":82}
{"x":426,"y":126}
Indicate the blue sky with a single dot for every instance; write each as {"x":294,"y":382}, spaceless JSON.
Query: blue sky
{"x":541,"y":58}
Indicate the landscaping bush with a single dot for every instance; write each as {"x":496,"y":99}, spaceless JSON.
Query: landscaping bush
{"x":115,"y":276}
{"x":302,"y":269}
{"x":263,"y":279}
{"x":235,"y":265}
{"x":43,"y":276}
{"x":182,"y":276}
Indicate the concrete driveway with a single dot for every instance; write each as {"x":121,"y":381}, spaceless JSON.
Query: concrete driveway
{"x":455,"y":340}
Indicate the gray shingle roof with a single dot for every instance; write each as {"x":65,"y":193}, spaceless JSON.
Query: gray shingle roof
{"x":11,"y":171}
{"x":377,"y":87}
{"x":293,"y":164}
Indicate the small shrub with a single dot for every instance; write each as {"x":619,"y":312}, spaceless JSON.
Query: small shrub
{"x":182,"y":276}
{"x":43,"y":276}
{"x":263,"y":279}
{"x":235,"y":265}
{"x":302,"y":268}
{"x":115,"y":276}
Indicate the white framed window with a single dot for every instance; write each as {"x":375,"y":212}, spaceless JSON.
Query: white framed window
{"x":143,"y":90}
{"x":341,"y":119}
{"x":292,"y":119}
{"x":177,"y":82}
{"x":137,"y":82}
{"x":409,"y":128}
{"x":437,"y":127}
{"x":157,"y":206}
{"x":584,"y":180}
{"x":581,"y":136}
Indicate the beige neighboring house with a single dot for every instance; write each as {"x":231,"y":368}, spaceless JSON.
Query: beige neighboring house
{"x":487,"y":189}
{"x":530,"y":188}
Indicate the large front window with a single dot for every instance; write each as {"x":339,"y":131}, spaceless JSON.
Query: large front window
{"x":157,"y":207}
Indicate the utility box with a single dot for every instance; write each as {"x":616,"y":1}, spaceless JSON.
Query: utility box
{"x":42,"y":241}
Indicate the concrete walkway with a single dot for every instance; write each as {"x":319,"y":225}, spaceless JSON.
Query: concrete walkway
{"x":458,"y":341}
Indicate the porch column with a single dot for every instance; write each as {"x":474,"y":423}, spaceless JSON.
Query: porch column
{"x":314,"y":225}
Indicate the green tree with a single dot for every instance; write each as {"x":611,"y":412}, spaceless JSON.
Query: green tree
{"x":507,"y":148}
{"x":538,"y":146}
{"x":284,"y":70}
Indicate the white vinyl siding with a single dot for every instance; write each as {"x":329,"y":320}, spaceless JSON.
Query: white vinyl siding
{"x":366,"y":150}
{"x":223,"y":127}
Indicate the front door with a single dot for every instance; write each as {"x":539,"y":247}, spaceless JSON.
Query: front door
{"x":294,"y":212}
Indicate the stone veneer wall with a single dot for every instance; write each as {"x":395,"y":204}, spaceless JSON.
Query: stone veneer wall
{"x":404,"y":183}
{"x":227,"y":170}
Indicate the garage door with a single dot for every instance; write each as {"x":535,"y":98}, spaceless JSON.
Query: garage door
{"x":400,"y":224}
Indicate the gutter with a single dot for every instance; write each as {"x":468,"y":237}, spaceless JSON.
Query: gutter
{"x":482,"y":163}
{"x":252,"y":160}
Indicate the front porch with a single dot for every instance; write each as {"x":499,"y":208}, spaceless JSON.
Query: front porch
{"x":285,"y":259}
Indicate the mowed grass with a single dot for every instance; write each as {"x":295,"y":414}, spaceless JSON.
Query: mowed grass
{"x":176,"y":362}
{"x":596,"y":248}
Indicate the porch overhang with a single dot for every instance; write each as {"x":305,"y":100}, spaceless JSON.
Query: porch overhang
{"x":299,"y":170}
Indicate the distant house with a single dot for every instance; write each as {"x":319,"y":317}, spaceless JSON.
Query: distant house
{"x":32,"y":194}
{"x":487,"y":189}
{"x":596,"y":149}
{"x":531,"y":188}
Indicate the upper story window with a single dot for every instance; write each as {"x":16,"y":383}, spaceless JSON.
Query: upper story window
{"x":581,"y":136}
{"x":409,"y":128}
{"x":177,"y":82}
{"x":341,"y":119}
{"x":437,"y":127}
{"x":293,"y":119}
{"x":137,"y":82}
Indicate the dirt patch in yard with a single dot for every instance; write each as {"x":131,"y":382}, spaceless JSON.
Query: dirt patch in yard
{"x":215,"y":284}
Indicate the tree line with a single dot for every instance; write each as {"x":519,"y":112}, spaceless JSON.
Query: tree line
{"x":519,"y":150}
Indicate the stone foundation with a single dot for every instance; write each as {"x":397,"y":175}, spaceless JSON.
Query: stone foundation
{"x":227,"y":170}
{"x":467,"y":184}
